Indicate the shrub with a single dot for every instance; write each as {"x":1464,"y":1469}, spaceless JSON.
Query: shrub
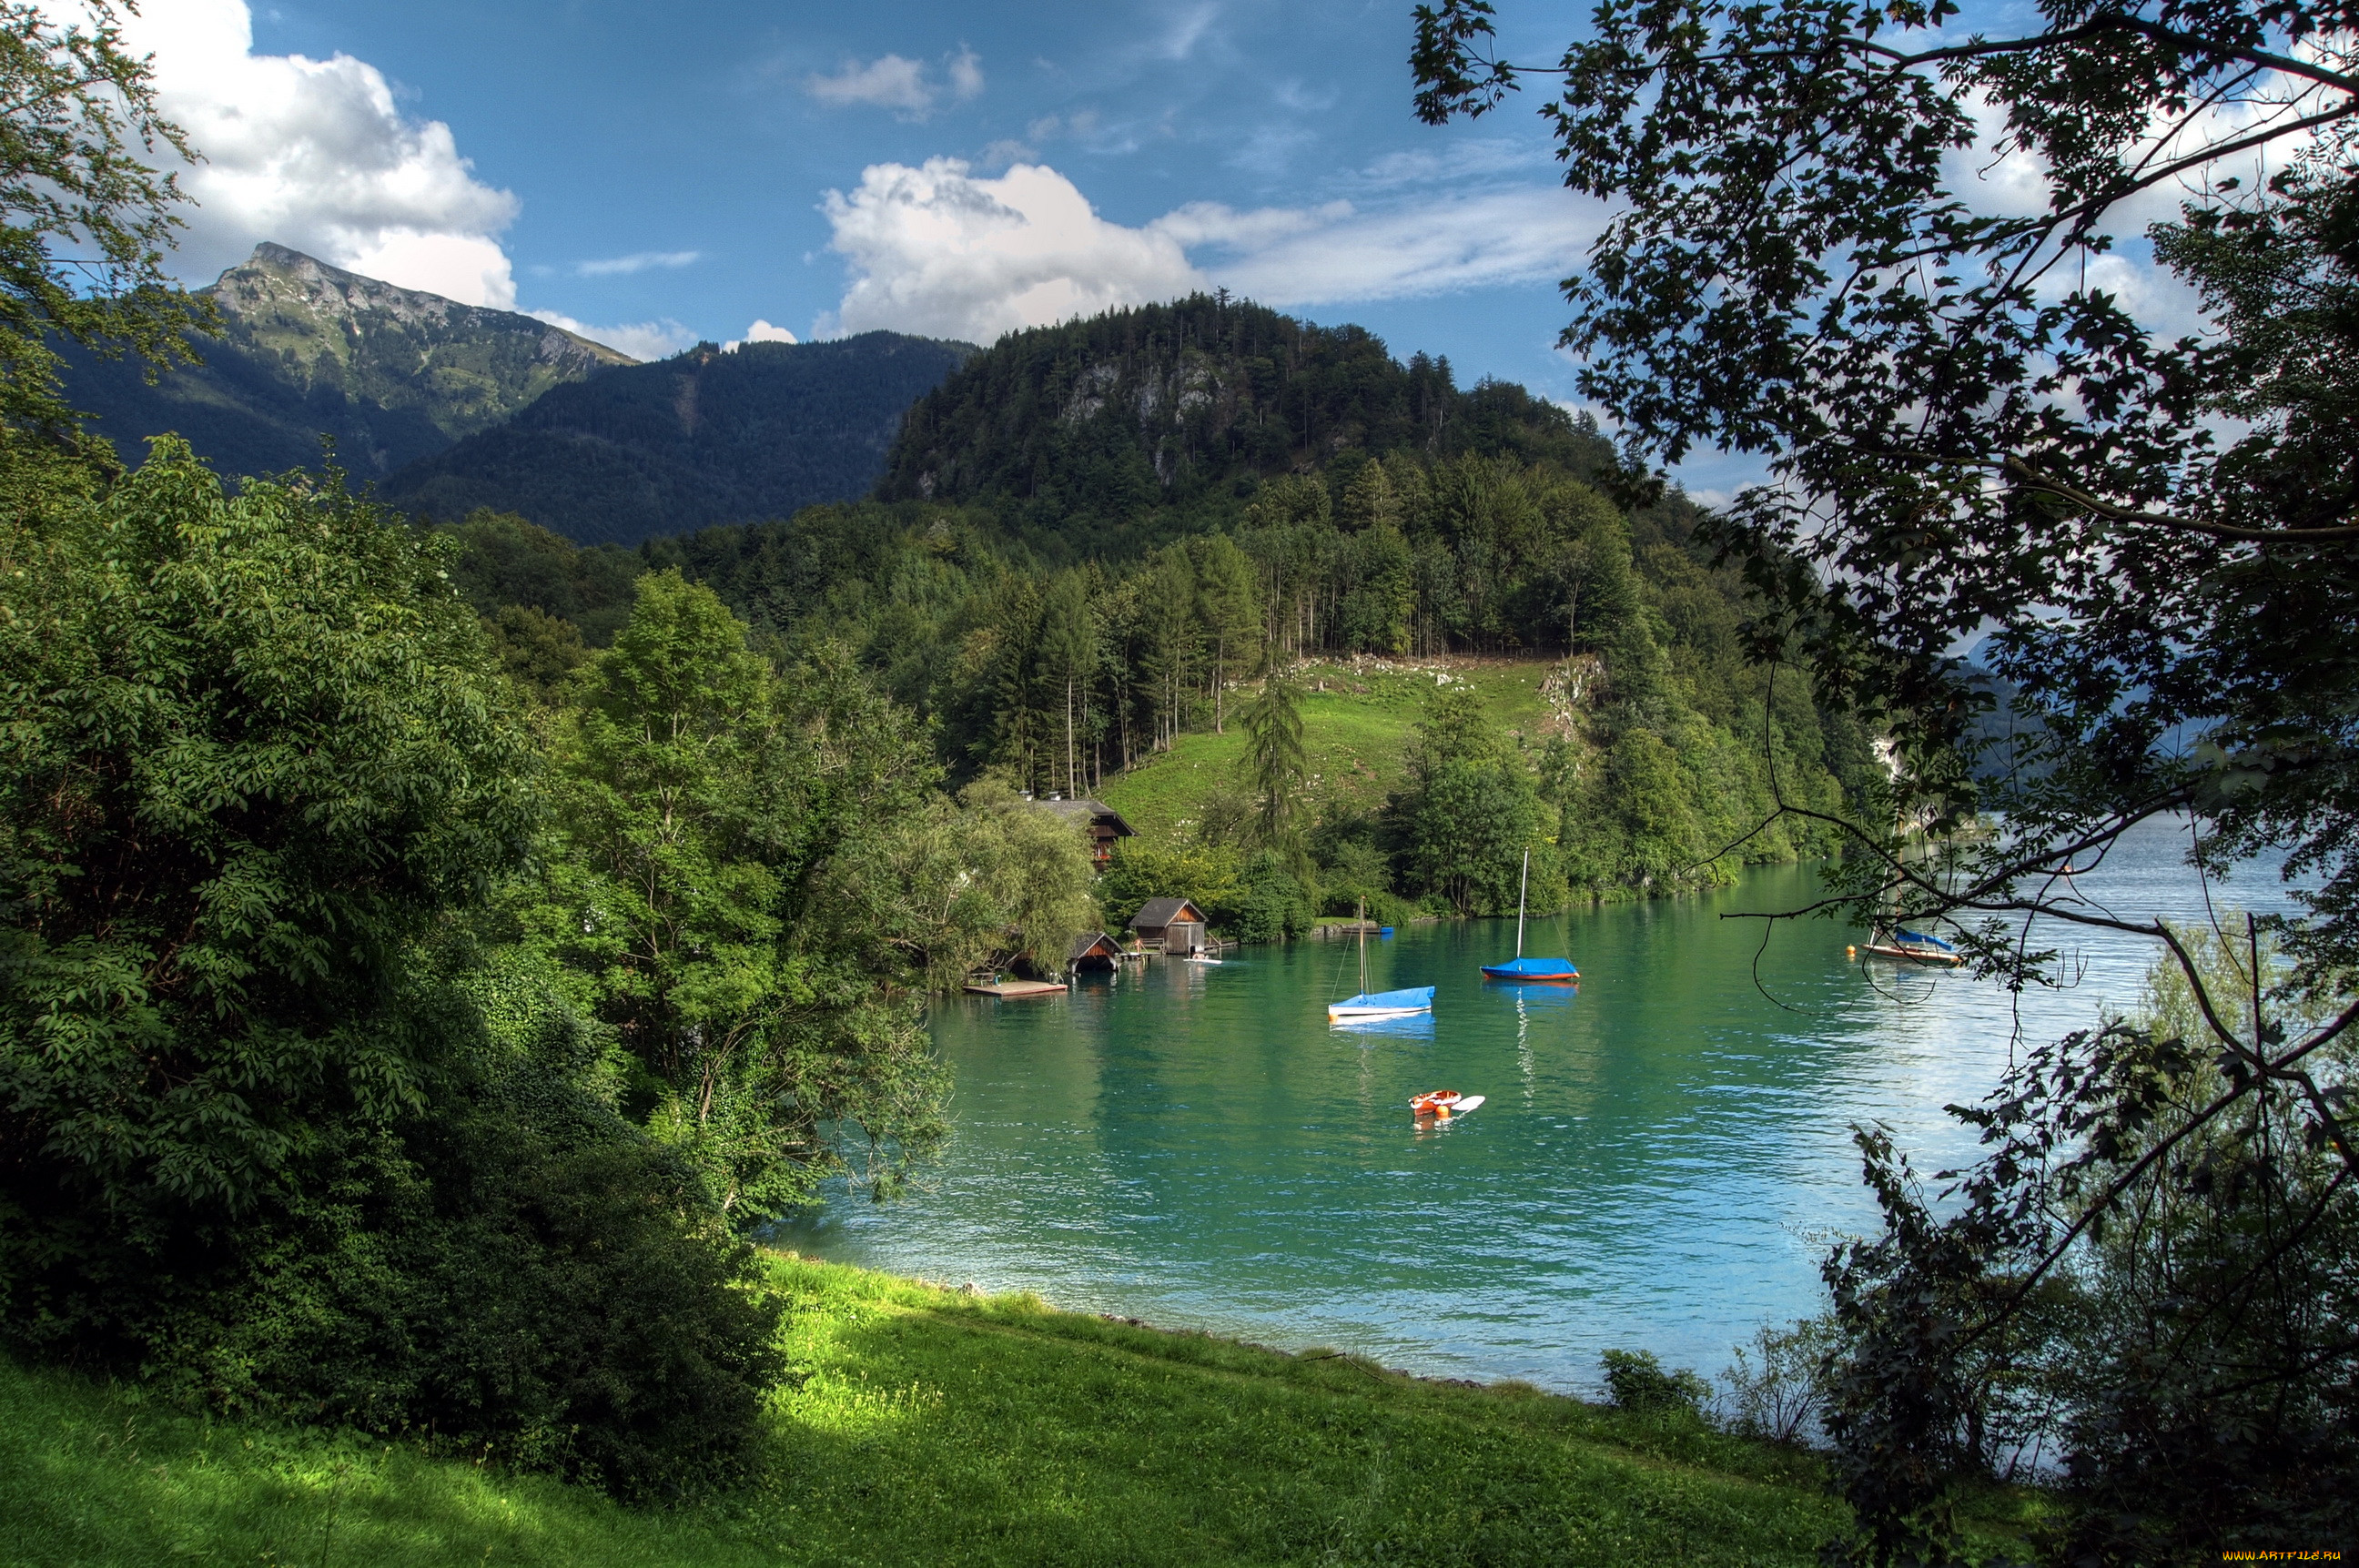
{"x":1779,"y":1391}
{"x":1273,"y":905}
{"x":1636,"y":1382}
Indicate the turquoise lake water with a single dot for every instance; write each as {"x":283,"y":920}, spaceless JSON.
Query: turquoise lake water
{"x":1663,"y":1158}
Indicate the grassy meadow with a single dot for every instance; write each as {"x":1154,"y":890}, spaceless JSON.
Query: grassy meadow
{"x":1357,"y":725}
{"x":924,"y":1426}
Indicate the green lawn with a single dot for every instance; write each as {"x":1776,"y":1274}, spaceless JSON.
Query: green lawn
{"x":927,"y":1427}
{"x":1355,"y":725}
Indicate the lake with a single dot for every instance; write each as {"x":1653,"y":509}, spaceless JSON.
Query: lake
{"x":1664,"y":1155}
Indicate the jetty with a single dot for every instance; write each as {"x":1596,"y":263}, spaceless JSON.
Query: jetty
{"x":1016,"y":988}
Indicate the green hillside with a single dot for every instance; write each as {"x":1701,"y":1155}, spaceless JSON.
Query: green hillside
{"x":704,"y":437}
{"x":1357,"y":721}
{"x":307,"y":349}
{"x":1075,"y":582}
{"x":923,"y":1426}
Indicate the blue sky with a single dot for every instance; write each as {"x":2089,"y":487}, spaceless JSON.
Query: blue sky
{"x":651,"y":176}
{"x":658,"y":175}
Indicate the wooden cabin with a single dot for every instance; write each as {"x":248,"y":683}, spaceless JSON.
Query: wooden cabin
{"x":1093,"y":950}
{"x":1172,"y":925}
{"x":1105,"y":823}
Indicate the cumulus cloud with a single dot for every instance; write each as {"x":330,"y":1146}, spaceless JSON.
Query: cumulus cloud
{"x":316,"y":154}
{"x":762,"y":331}
{"x":906,"y":87}
{"x":623,"y":265}
{"x":936,"y":250}
{"x":640,"y":340}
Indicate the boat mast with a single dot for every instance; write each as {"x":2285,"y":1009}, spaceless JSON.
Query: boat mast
{"x":1361,"y":921}
{"x":1521,"y":891}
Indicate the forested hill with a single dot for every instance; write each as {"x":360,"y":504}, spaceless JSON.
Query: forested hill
{"x":1097,"y":437}
{"x":306,"y":349}
{"x":761,"y":431}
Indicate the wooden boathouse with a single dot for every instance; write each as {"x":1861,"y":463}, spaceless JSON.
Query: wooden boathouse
{"x":1093,"y":950}
{"x":1104,"y":825}
{"x":1172,"y":926}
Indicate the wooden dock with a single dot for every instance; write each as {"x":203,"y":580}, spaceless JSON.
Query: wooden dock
{"x":1015,"y":989}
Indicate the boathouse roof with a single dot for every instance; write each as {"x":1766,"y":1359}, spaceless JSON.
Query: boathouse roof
{"x":1097,"y":813}
{"x":1158,"y":913}
{"x":1093,"y":944}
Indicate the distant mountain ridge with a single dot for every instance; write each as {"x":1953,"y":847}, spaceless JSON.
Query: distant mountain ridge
{"x":761,"y":431}
{"x":392,"y":375}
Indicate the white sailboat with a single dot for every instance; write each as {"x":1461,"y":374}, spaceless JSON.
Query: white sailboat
{"x":1379,"y":1004}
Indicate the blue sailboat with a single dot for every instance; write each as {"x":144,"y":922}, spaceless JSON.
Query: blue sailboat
{"x":1531,"y":971}
{"x":1378,"y":1004}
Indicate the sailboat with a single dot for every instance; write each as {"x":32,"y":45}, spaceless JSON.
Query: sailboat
{"x":1531,"y":971}
{"x":1381,"y":1004}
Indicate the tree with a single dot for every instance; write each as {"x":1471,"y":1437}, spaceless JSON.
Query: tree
{"x":1068,"y":646}
{"x":1230,"y":613}
{"x":1463,"y":820}
{"x":253,"y":751}
{"x":1973,"y":435}
{"x":82,"y":134}
{"x":1167,"y":610}
{"x":274,"y":1133}
{"x":665,"y":896}
{"x":956,"y":887}
{"x":701,"y":800}
{"x":1276,"y":770}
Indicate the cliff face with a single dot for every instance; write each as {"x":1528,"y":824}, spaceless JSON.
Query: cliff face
{"x":307,"y":350}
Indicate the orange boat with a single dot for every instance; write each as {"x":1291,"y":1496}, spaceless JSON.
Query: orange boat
{"x":1442,"y":1105}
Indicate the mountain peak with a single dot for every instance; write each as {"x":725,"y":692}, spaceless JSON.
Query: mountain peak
{"x":279,"y":280}
{"x":307,"y":349}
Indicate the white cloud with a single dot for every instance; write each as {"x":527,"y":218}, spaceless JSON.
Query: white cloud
{"x":1187,"y":31}
{"x":966,"y":74}
{"x":640,"y":340}
{"x":1210,"y":223}
{"x":905,"y":86}
{"x":316,"y":154}
{"x":1534,"y":234}
{"x":762,"y":331}
{"x":936,"y":250}
{"x":623,"y":265}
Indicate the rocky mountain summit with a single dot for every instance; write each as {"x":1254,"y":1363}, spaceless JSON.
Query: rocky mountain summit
{"x":392,"y":375}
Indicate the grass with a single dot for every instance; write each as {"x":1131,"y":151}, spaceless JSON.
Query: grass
{"x":1357,"y":725}
{"x":925,"y":1426}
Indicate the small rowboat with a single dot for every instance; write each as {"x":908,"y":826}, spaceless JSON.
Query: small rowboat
{"x":1915,"y":947}
{"x":1442,"y":1105}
